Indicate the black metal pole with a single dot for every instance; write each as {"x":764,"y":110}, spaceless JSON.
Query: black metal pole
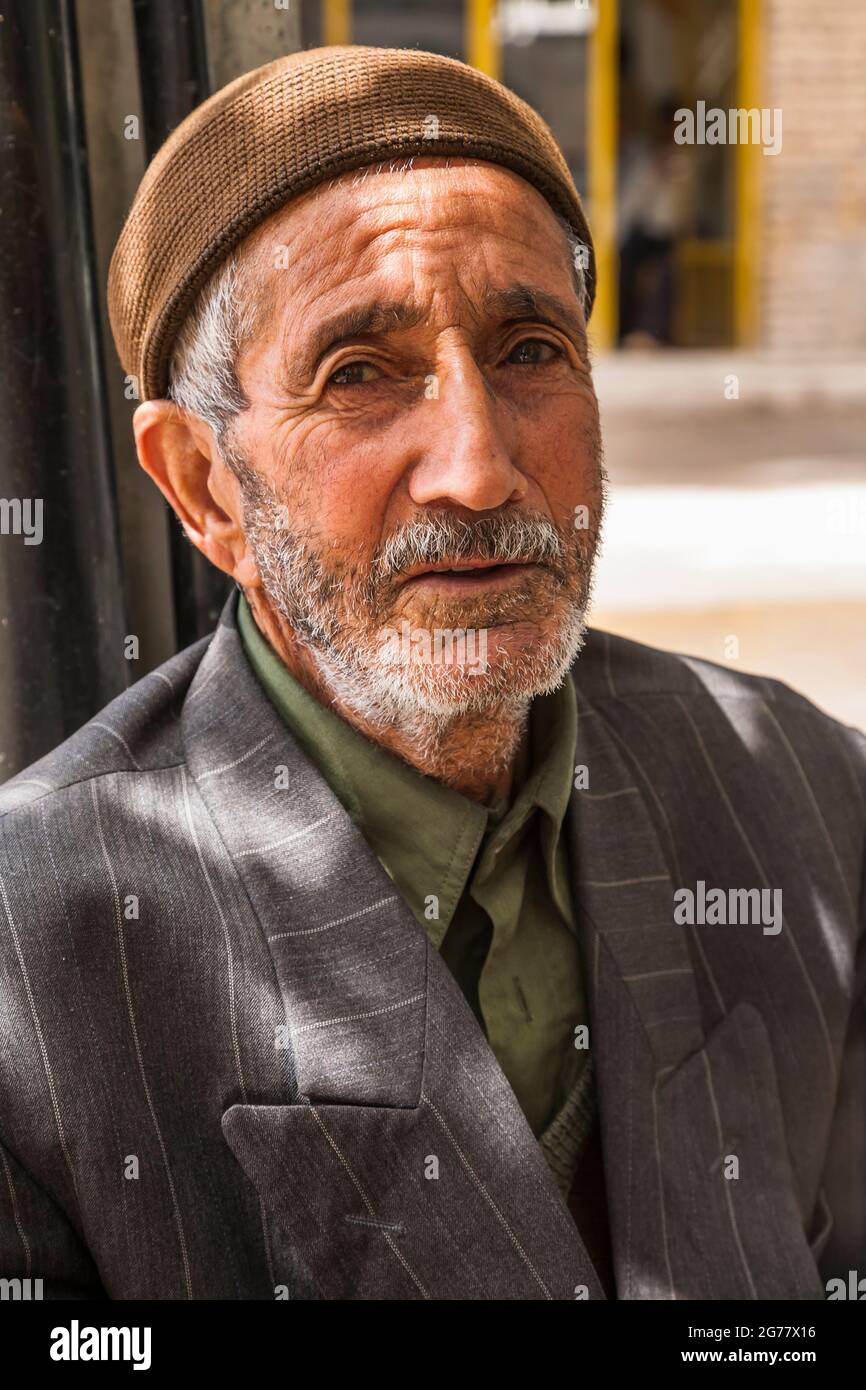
{"x":62,"y":619}
{"x":173,"y":72}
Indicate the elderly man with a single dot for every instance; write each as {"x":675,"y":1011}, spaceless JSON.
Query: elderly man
{"x":405,"y":939}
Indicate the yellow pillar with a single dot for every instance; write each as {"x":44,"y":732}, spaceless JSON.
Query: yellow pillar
{"x":747,"y":222}
{"x":481,"y":37}
{"x":602,"y":127}
{"x":336,"y":21}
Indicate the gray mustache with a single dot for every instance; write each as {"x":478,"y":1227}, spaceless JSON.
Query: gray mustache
{"x":500,"y":539}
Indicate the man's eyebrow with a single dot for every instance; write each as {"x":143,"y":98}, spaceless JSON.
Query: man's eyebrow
{"x":532,"y":302}
{"x":359,"y":322}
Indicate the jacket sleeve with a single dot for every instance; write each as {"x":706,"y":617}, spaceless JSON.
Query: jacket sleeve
{"x":40,"y":1241}
{"x":843,"y":1184}
{"x":37,"y":1243}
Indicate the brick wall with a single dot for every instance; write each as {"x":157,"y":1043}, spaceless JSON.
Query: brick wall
{"x":813,"y":194}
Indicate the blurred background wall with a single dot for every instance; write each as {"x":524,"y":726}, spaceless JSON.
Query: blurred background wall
{"x":729,"y":333}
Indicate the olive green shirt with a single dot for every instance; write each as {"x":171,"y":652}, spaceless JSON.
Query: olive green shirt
{"x":489,"y":884}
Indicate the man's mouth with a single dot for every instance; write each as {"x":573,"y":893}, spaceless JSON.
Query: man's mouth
{"x":468,"y":576}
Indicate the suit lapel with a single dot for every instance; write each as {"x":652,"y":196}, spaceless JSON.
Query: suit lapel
{"x":403,"y":1166}
{"x":676,"y":1104}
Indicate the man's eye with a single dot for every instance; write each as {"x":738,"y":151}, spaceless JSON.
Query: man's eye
{"x":532,"y":352}
{"x":353,"y":374}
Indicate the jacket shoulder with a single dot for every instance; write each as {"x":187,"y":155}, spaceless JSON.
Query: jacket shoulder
{"x":685,"y":719}
{"x":138,"y":731}
{"x":612,"y":667}
{"x":617,"y":676}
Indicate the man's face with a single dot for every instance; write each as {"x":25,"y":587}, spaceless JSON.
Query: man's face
{"x":421,"y":399}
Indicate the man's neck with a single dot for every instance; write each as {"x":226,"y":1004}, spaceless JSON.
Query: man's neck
{"x":474,"y":754}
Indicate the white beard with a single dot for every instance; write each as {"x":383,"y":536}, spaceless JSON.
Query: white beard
{"x":330,"y":615}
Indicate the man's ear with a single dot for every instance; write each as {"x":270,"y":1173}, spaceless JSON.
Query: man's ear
{"x":180,"y":454}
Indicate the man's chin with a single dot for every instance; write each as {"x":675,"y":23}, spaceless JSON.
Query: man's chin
{"x":500,"y":666}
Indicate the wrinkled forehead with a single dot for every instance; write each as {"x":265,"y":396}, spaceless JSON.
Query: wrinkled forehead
{"x":320,"y":246}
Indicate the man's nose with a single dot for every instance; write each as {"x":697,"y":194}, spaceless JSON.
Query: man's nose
{"x":463,"y":457}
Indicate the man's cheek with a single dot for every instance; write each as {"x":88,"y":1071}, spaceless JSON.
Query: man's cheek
{"x":336,"y":477}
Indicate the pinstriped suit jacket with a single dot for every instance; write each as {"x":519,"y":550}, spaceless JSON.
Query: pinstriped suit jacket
{"x":232,"y":1065}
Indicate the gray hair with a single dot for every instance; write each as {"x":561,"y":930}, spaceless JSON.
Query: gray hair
{"x":202,"y":374}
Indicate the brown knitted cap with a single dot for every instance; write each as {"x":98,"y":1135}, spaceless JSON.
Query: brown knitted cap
{"x":276,"y":132}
